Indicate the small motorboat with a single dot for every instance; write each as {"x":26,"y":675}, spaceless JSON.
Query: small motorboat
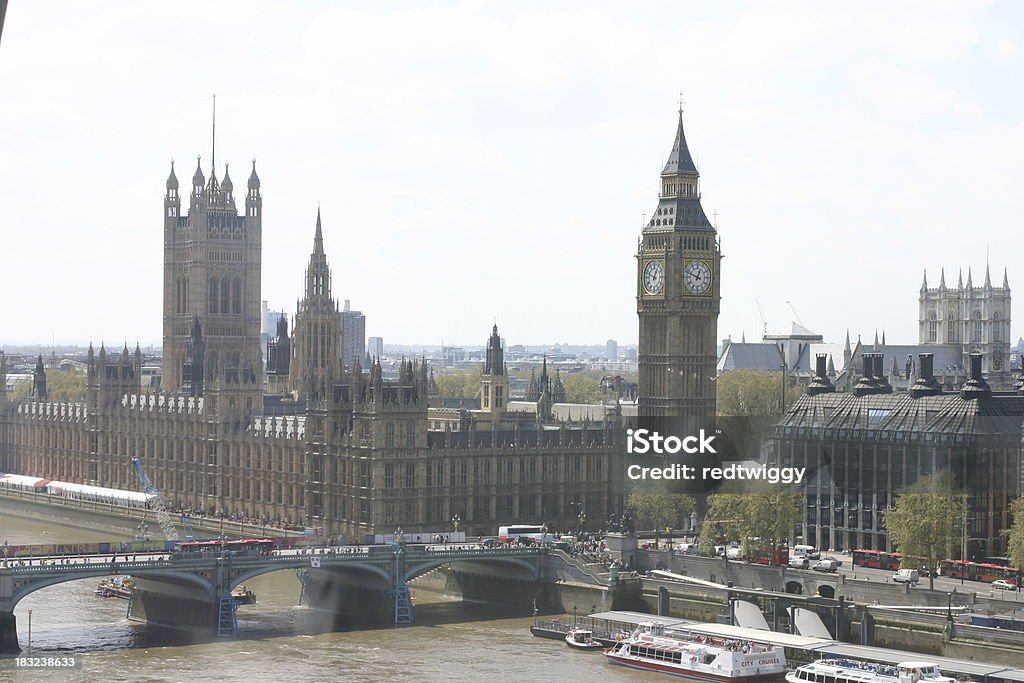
{"x":582,"y":639}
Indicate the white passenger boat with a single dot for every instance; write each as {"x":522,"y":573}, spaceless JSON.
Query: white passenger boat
{"x":697,"y":656}
{"x":850,"y":671}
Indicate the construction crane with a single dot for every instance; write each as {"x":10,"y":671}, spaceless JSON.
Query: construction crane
{"x":156,"y":501}
{"x":795,"y":314}
{"x":764,"y":323}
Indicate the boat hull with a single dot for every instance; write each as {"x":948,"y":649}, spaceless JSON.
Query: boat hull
{"x":682,"y":672}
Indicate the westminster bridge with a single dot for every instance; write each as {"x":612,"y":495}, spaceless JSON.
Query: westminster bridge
{"x":192,"y":590}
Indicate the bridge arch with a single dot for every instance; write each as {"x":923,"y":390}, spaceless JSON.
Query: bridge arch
{"x":419,"y":568}
{"x":31,"y":586}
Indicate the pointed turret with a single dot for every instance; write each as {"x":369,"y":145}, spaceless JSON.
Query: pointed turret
{"x":226,"y":184}
{"x":172,"y":180}
{"x":960,"y":279}
{"x":942,"y":279}
{"x":883,"y":337}
{"x":494,"y":363}
{"x":988,"y":279}
{"x":254,"y":180}
{"x":558,"y":391}
{"x":198,"y":179}
{"x":1006,"y":281}
{"x":969,"y":284}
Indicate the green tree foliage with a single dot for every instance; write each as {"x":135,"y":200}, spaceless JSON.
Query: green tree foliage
{"x":581,"y":388}
{"x":459,"y":382}
{"x":1015,"y":534}
{"x":61,"y":385}
{"x":927,"y":521}
{"x":757,"y":514}
{"x":754,"y":393}
{"x":750,"y":401}
{"x":657,"y":504}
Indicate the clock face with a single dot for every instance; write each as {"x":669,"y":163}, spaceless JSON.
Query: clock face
{"x":697,"y":277}
{"x":654,"y":277}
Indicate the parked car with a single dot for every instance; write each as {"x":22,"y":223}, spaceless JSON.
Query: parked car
{"x":911,"y":576}
{"x":734,"y":553}
{"x":1004,"y":585}
{"x":799,"y":562}
{"x":834,"y":560}
{"x":825,"y":566}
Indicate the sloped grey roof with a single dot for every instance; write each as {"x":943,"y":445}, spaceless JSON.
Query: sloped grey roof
{"x":750,"y":356}
{"x":900,"y":417}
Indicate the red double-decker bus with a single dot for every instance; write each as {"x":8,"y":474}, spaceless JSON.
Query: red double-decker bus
{"x":978,"y":571}
{"x":879,"y":559}
{"x":252,"y":546}
{"x":777,"y":556}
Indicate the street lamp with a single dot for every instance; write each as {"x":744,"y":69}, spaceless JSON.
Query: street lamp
{"x":455,"y":522}
{"x":6,"y":548}
{"x":583,"y":521}
{"x":398,"y":535}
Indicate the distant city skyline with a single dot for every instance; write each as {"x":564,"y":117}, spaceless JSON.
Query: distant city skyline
{"x":479,"y":162}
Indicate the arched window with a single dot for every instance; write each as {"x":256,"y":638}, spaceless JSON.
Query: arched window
{"x":933,"y":327}
{"x":389,"y":435}
{"x":213,"y":296}
{"x":997,"y":335}
{"x":977,"y":335}
{"x":236,"y":296}
{"x":225,"y":296}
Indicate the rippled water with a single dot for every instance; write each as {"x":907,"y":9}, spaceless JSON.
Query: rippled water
{"x":451,"y":641}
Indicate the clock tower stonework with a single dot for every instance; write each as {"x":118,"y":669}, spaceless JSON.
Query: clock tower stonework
{"x":678,"y":298}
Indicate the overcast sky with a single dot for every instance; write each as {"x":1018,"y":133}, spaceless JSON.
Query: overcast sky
{"x":485,"y":161}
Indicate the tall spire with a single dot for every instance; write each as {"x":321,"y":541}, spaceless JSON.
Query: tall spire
{"x":969,"y":284}
{"x":213,"y":139}
{"x":679,"y":160}
{"x":318,"y":239}
{"x":988,"y":280}
{"x":1006,"y":281}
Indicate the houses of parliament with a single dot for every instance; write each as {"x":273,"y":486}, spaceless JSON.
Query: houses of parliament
{"x":289,"y":434}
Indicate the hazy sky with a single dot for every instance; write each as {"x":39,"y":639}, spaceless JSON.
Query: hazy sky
{"x":485,"y":161}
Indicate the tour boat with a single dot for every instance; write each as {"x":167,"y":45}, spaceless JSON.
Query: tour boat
{"x":696,"y":656}
{"x":582,"y":639}
{"x":117,"y":587}
{"x":850,"y":671}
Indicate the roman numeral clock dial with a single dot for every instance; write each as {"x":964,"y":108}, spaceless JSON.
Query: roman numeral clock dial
{"x":654,"y":277}
{"x":697,"y":277}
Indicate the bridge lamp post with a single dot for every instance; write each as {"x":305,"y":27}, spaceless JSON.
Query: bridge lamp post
{"x":583,"y":521}
{"x":398,"y":535}
{"x":455,"y":522}
{"x":7,"y":549}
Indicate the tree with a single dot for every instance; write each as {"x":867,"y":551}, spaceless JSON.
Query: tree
{"x":749,"y":404}
{"x":926,"y":520}
{"x":657,"y":503}
{"x":61,"y":385}
{"x":757,"y":514}
{"x":1015,"y":534}
{"x":459,"y":382}
{"x":580,"y":388}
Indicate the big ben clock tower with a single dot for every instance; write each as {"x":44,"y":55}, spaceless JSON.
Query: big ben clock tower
{"x":678,"y":297}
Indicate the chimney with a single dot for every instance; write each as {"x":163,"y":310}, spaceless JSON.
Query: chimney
{"x":866,"y":384}
{"x":821,"y":383}
{"x":879,"y":372}
{"x":976,"y":386}
{"x":347,"y":305}
{"x":925,"y":384}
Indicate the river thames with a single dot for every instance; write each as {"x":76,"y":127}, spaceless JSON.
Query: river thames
{"x":450,"y":641}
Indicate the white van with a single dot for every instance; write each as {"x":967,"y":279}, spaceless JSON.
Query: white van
{"x":910,"y":576}
{"x":799,"y":562}
{"x":808,"y":551}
